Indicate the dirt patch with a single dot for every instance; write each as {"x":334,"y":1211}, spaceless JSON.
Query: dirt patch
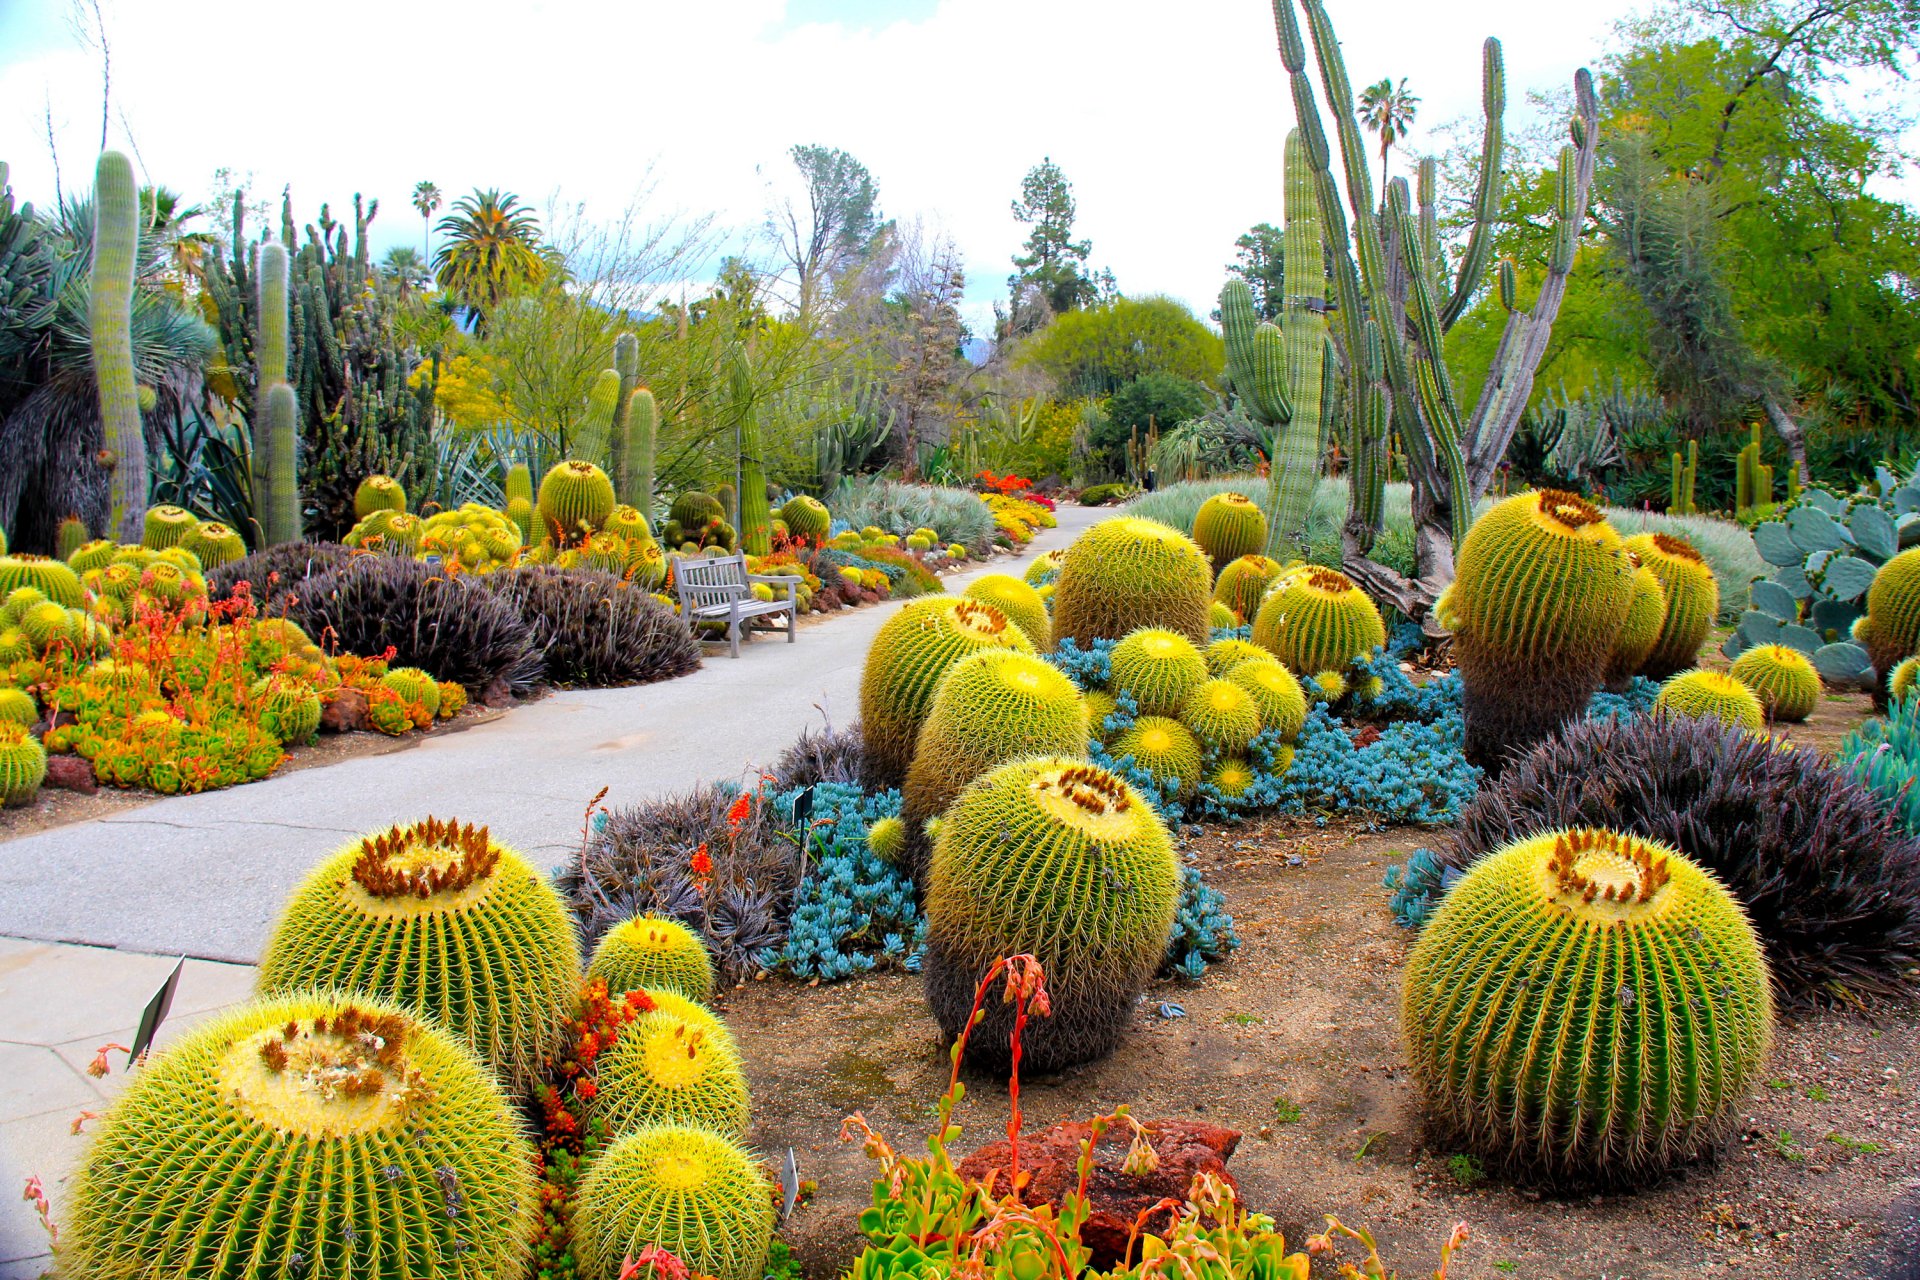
{"x":1295,"y":1042}
{"x":52,"y":807}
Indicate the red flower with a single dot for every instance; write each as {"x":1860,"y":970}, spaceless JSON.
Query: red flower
{"x":742,"y":806}
{"x":702,"y":861}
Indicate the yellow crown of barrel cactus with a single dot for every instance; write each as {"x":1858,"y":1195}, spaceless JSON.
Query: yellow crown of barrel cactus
{"x":1640,"y":631}
{"x":1586,"y":1004}
{"x":992,"y":706}
{"x":378,"y":493}
{"x":1158,"y":667}
{"x":653,"y":953}
{"x":666,"y":1069}
{"x":692,"y":1193}
{"x":1165,"y":748}
{"x":1891,"y":629}
{"x":1782,"y":678}
{"x":1223,"y":715}
{"x":1243,"y":583}
{"x":1065,"y":861}
{"x":1715,"y":695}
{"x":1228,"y":526}
{"x":438,"y":918}
{"x":330,"y":1128}
{"x":214,"y":544}
{"x":909,"y":657}
{"x":1693,"y":601}
{"x":1127,"y":573}
{"x":1019,"y":601}
{"x":167,"y":526}
{"x":1276,"y":695}
{"x":1315,"y":619}
{"x":576,"y":498}
{"x":1232,"y":777}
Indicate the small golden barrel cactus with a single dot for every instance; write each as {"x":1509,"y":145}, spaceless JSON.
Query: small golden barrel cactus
{"x":1693,"y":601}
{"x":695,"y":1194}
{"x":575,"y":499}
{"x":1232,"y":777}
{"x":1046,"y":568}
{"x":651,"y":953}
{"x":23,"y":764}
{"x":51,"y":578}
{"x":167,"y":526}
{"x":1219,"y":616}
{"x":1315,"y":619}
{"x":905,"y":664}
{"x":1646,"y":615}
{"x":1158,"y":667}
{"x":332,"y":1129}
{"x":18,"y":707}
{"x":1016,"y":598}
{"x":1243,"y":583}
{"x":1782,"y":678}
{"x":1714,"y":695}
{"x":1281,"y":701}
{"x":214,"y":544}
{"x":1586,"y":1004}
{"x":1223,"y":715}
{"x":1224,"y":655}
{"x":289,"y":709}
{"x":887,"y":837}
{"x":378,"y":493}
{"x":414,"y":685}
{"x":1126,"y":573}
{"x":1903,"y":678}
{"x":667,"y":1069}
{"x":1228,"y":526}
{"x":1165,"y":748}
{"x":437,"y":917}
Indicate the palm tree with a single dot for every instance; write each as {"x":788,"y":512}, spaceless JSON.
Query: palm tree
{"x":406,"y":268}
{"x":1388,"y":112}
{"x":426,"y":198}
{"x":492,"y":244}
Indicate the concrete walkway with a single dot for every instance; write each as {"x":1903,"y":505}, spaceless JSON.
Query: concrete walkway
{"x":205,"y":874}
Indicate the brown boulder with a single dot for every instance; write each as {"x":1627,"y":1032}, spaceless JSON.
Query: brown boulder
{"x":71,"y":773}
{"x":345,"y":713}
{"x":496,"y":694}
{"x":1185,"y":1149}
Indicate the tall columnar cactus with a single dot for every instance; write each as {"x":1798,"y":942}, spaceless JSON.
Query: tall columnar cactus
{"x":626,"y":363}
{"x":754,"y":519}
{"x":1586,"y":1004}
{"x":1387,"y":280}
{"x":116,"y":242}
{"x":595,"y":434}
{"x":643,"y":426}
{"x":1753,"y":481}
{"x":276,"y":419}
{"x":519,"y":483}
{"x":1680,"y":499}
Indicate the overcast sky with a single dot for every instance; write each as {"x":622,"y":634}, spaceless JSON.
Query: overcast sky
{"x":1166,"y":117}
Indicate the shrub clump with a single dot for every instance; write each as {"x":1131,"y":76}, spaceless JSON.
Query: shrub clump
{"x":277,"y":570}
{"x":594,"y":629}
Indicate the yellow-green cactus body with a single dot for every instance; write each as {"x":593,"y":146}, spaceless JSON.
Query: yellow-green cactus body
{"x":526,"y":520}
{"x":1276,"y":695}
{"x":1243,"y":583}
{"x":96,"y":554}
{"x":666,"y":1069}
{"x":23,"y":763}
{"x":576,"y":498}
{"x":653,"y":953}
{"x":378,"y":493}
{"x":167,"y":526}
{"x":1043,"y":571}
{"x":1159,"y":668}
{"x":332,"y":1128}
{"x":887,"y":837}
{"x":1127,"y":573}
{"x":214,"y":544}
{"x":1315,"y":619}
{"x":1099,"y":704}
{"x":694,"y":1194}
{"x":414,"y":685}
{"x":1782,"y":678}
{"x":1232,"y":777}
{"x":1586,"y":1004}
{"x":440,"y":919}
{"x":18,"y":707}
{"x":1019,"y":601}
{"x":993,"y":706}
{"x":1640,"y":631}
{"x":1220,"y":616}
{"x":909,"y":657}
{"x":1065,"y":861}
{"x":807,"y":518}
{"x":1693,"y":601}
{"x":1901,"y":682}
{"x":1228,"y":526}
{"x":1891,"y":629}
{"x":51,"y":578}
{"x":1165,"y":748}
{"x":1224,"y":655}
{"x":1715,"y":695}
{"x":1223,"y":715}
{"x":289,"y":708}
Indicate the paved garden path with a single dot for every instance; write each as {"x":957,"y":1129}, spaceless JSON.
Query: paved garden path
{"x":204,"y":875}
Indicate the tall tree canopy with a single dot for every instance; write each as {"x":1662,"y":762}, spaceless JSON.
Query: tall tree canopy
{"x":1051,"y":276}
{"x":830,"y":230}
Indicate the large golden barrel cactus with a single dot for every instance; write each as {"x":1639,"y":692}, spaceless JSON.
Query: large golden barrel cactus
{"x":1315,"y":619}
{"x":1693,"y":601}
{"x":1891,"y":629}
{"x":1228,"y":526}
{"x":665,"y":1068}
{"x":1646,"y":615}
{"x":1586,"y":1004}
{"x":1065,"y":861}
{"x":1016,"y":598}
{"x":1127,"y":573}
{"x":1158,"y":667}
{"x":695,"y":1194}
{"x":437,"y":917}
{"x":905,"y":664}
{"x":332,"y":1129}
{"x":1541,"y":591}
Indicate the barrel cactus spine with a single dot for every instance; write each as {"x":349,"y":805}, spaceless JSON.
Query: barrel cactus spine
{"x":518,"y":483}
{"x":1712,"y":695}
{"x":1229,"y":526}
{"x":653,"y":953}
{"x":905,"y":664}
{"x":1693,"y":601}
{"x":694,"y":1194}
{"x":1126,"y":573}
{"x":1782,"y":678}
{"x":1317,"y":619}
{"x":1586,"y":1004}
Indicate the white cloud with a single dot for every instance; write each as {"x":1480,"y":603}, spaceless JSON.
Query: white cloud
{"x":1168,"y":119}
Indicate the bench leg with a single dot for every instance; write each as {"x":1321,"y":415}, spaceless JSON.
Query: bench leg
{"x":733,"y":632}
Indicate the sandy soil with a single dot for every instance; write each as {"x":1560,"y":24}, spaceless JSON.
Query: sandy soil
{"x":1303,"y":1024}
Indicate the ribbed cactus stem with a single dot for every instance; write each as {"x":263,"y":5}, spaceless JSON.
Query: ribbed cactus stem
{"x":643,"y":424}
{"x":270,"y":365}
{"x":1297,"y":447}
{"x":116,"y":239}
{"x":1486,"y":194}
{"x":626,"y":363}
{"x":755,"y":520}
{"x":596,"y":429}
{"x":280,"y":516}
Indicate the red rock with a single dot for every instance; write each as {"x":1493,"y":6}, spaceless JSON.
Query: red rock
{"x":346,"y":713}
{"x":1185,"y":1149}
{"x":496,"y":694}
{"x":71,"y":773}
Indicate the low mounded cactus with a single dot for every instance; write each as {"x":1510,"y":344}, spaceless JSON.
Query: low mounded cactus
{"x":1159,"y":668}
{"x":1315,"y":619}
{"x":438,"y":918}
{"x":1127,"y":573}
{"x":331,"y":1129}
{"x":1586,"y":1004}
{"x":1714,"y":695}
{"x":414,"y":685}
{"x":1782,"y":678}
{"x":1903,"y":678}
{"x":692,"y":1193}
{"x":653,"y":953}
{"x":807,"y":518}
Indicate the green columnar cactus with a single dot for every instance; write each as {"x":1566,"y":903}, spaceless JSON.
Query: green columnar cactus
{"x":1680,"y":501}
{"x":331,"y":1129}
{"x":1019,"y":601}
{"x":665,"y":1069}
{"x":626,"y":362}
{"x":1228,"y":526}
{"x":991,"y":707}
{"x":281,"y":522}
{"x":650,"y":953}
{"x":1693,"y":601}
{"x":1126,"y":573}
{"x":69,"y":537}
{"x":1166,"y":749}
{"x":116,"y":241}
{"x":439,"y":918}
{"x":1158,"y":667}
{"x":905,"y":664}
{"x":1702,"y":695}
{"x":694,"y":1194}
{"x":1586,"y":1004}
{"x":1543,"y":590}
{"x":1315,"y":619}
{"x":1782,"y":678}
{"x":1065,"y":861}
{"x":276,"y":420}
{"x":643,"y":425}
{"x":1753,"y":483}
{"x":593,"y":437}
{"x":518,"y":484}
{"x":23,"y":764}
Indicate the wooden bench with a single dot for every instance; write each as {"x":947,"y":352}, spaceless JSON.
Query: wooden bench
{"x":721,"y":589}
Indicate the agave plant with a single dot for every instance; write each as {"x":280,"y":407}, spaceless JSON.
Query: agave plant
{"x":1825,"y":551}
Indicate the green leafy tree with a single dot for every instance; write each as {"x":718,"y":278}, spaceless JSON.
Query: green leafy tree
{"x":831,"y":230}
{"x":1051,"y":276}
{"x":1388,"y":112}
{"x":492,"y":247}
{"x":1260,"y":259}
{"x":426,"y":198}
{"x":1154,"y":401}
{"x":1097,"y":350}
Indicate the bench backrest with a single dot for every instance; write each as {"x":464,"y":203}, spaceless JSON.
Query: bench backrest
{"x":702,"y":583}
